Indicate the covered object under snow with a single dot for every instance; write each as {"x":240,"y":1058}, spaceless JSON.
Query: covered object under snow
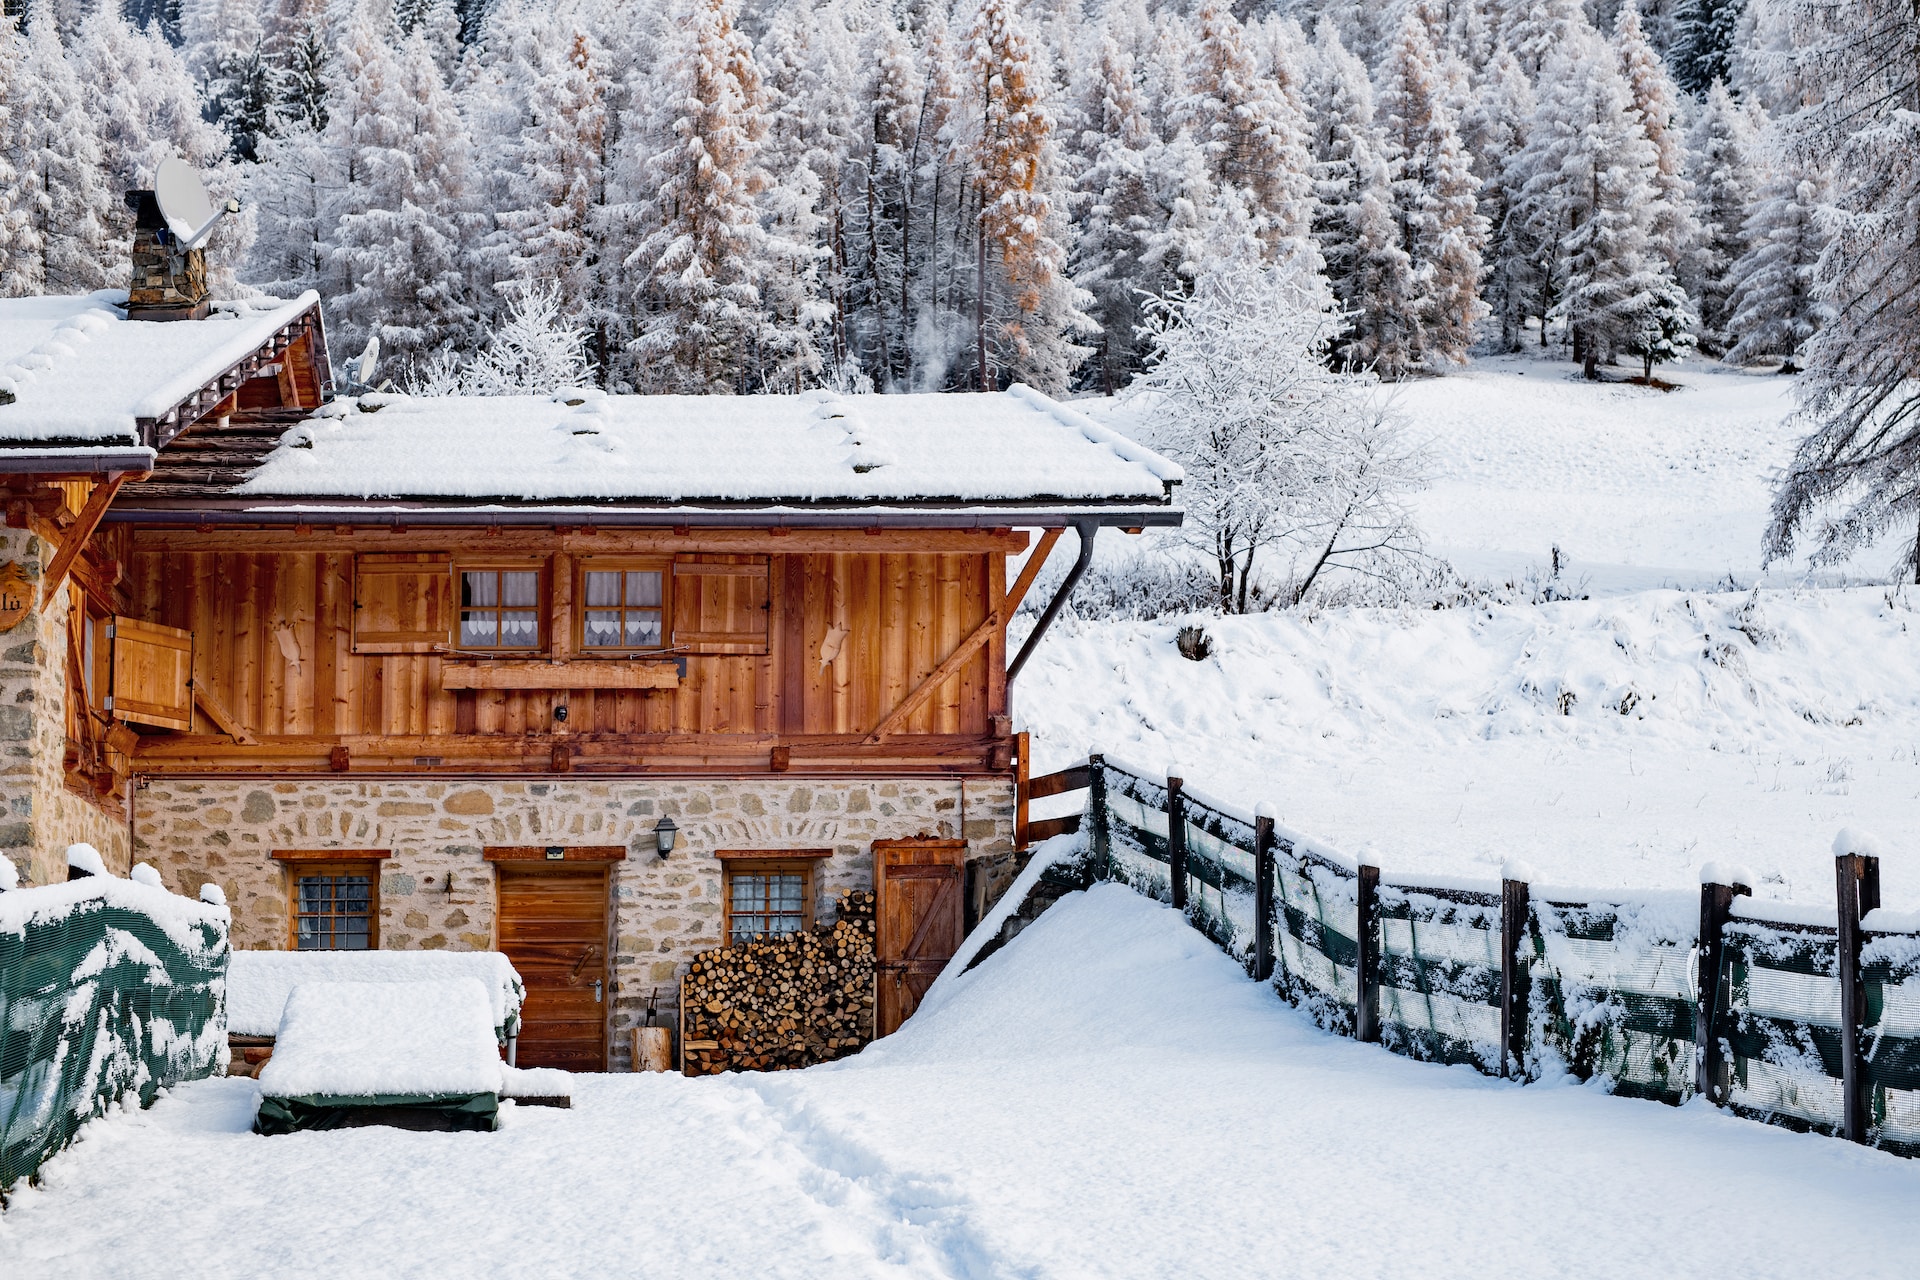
{"x":409,"y":1054}
{"x":258,"y":982}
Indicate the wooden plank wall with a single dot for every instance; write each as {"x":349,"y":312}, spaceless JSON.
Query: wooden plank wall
{"x":273,"y":640}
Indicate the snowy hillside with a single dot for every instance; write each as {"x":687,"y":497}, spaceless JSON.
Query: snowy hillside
{"x":1108,"y":1096}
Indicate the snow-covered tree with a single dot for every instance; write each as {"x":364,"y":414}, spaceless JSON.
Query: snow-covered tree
{"x":1721,"y":150}
{"x":1656,"y":103}
{"x":1772,"y":307}
{"x":1495,"y":129}
{"x":61,"y":192}
{"x":1251,"y":132}
{"x":537,"y":348}
{"x":1029,"y":309}
{"x":690,"y":168}
{"x":395,"y":261}
{"x":1288,"y":461}
{"x":1434,"y":202}
{"x":1120,"y":214}
{"x":1854,"y":477}
{"x":1535,"y":29}
{"x":17,"y":246}
{"x":1591,"y":194}
{"x":1706,"y":35}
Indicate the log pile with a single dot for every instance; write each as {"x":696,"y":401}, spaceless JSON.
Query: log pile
{"x":782,"y":1002}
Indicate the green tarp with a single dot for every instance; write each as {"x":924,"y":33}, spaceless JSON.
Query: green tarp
{"x":474,"y":1112}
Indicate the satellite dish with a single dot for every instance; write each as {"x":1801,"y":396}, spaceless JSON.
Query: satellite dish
{"x":184,"y":204}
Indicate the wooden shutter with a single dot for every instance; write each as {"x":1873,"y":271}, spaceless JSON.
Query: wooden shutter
{"x":402,"y":602}
{"x":152,"y":674}
{"x":720,"y":604}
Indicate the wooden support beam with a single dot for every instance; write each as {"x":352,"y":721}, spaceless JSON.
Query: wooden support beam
{"x":1028,"y":572}
{"x":588,"y":674}
{"x":83,"y":527}
{"x":217,"y":712}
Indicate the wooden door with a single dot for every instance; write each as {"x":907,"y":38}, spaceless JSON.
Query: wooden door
{"x":553,"y":927}
{"x":920,"y":886}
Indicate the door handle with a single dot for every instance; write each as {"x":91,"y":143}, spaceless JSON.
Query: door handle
{"x":596,"y":991}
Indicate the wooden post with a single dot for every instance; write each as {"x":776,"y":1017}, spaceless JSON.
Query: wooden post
{"x":1857,"y":878}
{"x":653,"y":1049}
{"x":1262,"y":898}
{"x":1516,"y":979}
{"x":1177,"y":844}
{"x":1023,"y":772}
{"x":1366,"y":1012}
{"x":1098,"y":842}
{"x":1712,"y":1078}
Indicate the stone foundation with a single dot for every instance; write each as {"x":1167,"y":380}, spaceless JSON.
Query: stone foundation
{"x":436,"y":890}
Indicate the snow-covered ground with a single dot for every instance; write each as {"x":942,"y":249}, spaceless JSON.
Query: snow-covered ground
{"x":1107,"y":1097}
{"x":1756,"y":726}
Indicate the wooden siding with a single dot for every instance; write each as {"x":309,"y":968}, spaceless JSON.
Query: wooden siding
{"x":848,"y":635}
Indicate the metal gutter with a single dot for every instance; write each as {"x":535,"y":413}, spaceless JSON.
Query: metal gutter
{"x":71,"y":461}
{"x":850,"y":517}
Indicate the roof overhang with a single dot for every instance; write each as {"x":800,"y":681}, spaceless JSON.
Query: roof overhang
{"x":161,"y":428}
{"x":388,"y":515}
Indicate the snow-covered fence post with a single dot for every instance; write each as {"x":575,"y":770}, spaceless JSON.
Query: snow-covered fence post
{"x":1515,"y":977}
{"x":1097,"y":838}
{"x":1262,"y":897}
{"x":1366,"y":973}
{"x":1176,"y":841}
{"x":1857,"y":879}
{"x":1711,"y":1077}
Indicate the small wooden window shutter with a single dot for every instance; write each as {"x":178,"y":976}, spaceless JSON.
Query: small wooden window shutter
{"x":720,"y":604}
{"x":402,"y":602}
{"x":152,"y":681}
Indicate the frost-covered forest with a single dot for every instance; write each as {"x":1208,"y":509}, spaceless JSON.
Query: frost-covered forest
{"x":730,"y":196}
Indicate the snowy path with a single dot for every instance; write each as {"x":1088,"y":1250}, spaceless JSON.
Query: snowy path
{"x":1107,"y":1097}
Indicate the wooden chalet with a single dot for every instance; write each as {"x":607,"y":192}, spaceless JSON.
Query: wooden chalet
{"x":598,"y":681}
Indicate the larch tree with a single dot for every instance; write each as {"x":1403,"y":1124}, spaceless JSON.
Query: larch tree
{"x":1724,"y":173}
{"x":1656,"y":103}
{"x":1028,"y":310}
{"x":1535,"y":29}
{"x":1434,"y":198}
{"x":1856,"y":476}
{"x":17,"y":246}
{"x":1772,"y":307}
{"x":1253,"y":135}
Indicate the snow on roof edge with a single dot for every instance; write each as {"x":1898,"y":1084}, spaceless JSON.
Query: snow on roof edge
{"x":1131,"y":450}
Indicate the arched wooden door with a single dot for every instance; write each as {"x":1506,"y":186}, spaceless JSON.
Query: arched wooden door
{"x":920,"y":886}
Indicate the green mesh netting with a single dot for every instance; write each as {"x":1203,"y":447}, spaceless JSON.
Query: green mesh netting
{"x":1890,"y":967}
{"x":1780,"y":1007}
{"x":1613,"y":995}
{"x":1440,"y":975}
{"x":1220,"y":877}
{"x":1316,"y":924}
{"x":105,"y":992}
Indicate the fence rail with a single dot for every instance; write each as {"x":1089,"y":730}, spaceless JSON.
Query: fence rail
{"x":1803,"y":1017}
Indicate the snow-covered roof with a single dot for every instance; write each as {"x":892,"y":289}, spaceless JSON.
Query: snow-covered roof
{"x":75,"y":370}
{"x":1016,"y":446}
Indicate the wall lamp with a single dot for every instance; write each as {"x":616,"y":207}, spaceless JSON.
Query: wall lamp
{"x":664,"y":832}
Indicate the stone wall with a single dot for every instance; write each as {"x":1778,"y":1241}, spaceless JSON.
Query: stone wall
{"x":436,"y":890}
{"x":42,"y":816}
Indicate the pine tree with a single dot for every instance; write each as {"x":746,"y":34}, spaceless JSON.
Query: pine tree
{"x":1534,"y":29}
{"x":1721,"y":148}
{"x":1773,"y":307}
{"x":691,"y":170}
{"x":61,"y":190}
{"x":1021,"y":191}
{"x":1495,"y":131}
{"x":1707,"y":33}
{"x":1591,"y":195}
{"x":1116,"y":189}
{"x":395,"y":262}
{"x":19,"y":245}
{"x":1433,"y":199}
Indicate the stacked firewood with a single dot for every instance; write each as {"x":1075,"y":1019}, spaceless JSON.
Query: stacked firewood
{"x":787,"y":1001}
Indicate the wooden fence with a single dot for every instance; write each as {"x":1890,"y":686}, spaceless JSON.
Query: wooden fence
{"x":1801,"y":1016}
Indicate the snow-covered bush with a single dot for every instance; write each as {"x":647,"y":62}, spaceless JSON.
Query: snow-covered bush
{"x":1293,"y":469}
{"x":536,"y":350}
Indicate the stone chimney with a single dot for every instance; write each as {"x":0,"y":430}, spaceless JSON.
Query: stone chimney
{"x":167,"y":284}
